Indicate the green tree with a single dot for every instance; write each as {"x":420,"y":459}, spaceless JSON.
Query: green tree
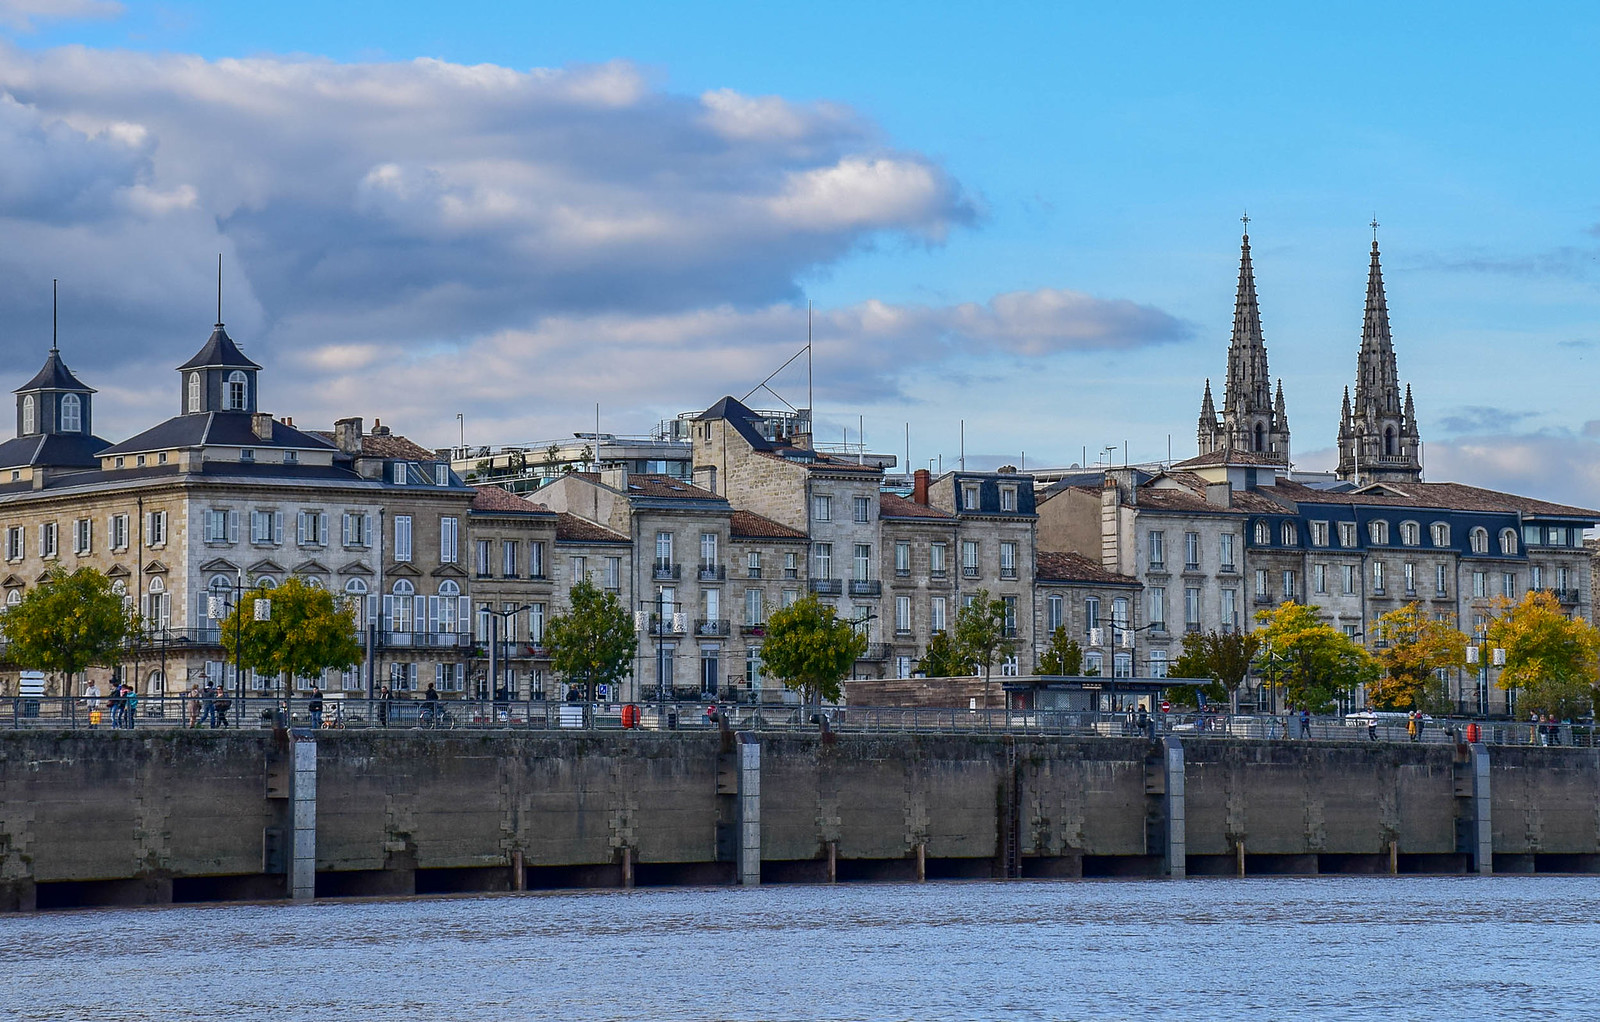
{"x":593,"y":643}
{"x":308,"y":631}
{"x":1063,"y":656}
{"x":942,"y":659}
{"x":66,"y":624}
{"x":1195,"y":661}
{"x":1551,"y":658}
{"x":1411,"y":650}
{"x":811,"y":649}
{"x":1310,"y":660}
{"x":981,"y":635}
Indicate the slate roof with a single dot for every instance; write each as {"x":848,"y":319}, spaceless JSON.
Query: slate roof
{"x":225,"y":429}
{"x":892,"y":505}
{"x":1444,"y":496}
{"x":63,"y":450}
{"x":570,"y":528}
{"x":385,"y":445}
{"x":1054,"y":566}
{"x":219,"y":350}
{"x":492,"y":499}
{"x":749,"y":525}
{"x":54,"y":375}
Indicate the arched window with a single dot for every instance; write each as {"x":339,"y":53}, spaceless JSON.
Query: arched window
{"x":1508,"y":541}
{"x":1291,"y":535}
{"x":194,"y":392}
{"x":1261,"y":436}
{"x":28,"y":414}
{"x":1410,"y":533}
{"x":1441,"y":534}
{"x":158,"y":606}
{"x":238,"y":388}
{"x":71,"y":413}
{"x":403,"y":587}
{"x":13,"y":597}
{"x":399,"y":606}
{"x":1263,"y":534}
{"x":356,"y":587}
{"x":355,"y":597}
{"x":1388,"y":443}
{"x":266,"y":582}
{"x":449,"y":603}
{"x":220,"y":587}
{"x":1480,"y":540}
{"x":156,"y":685}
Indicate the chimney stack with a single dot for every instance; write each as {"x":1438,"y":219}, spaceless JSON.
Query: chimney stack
{"x":347,"y":435}
{"x":261,"y":425}
{"x":919,"y":486}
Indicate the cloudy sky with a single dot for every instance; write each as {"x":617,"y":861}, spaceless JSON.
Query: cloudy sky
{"x":1025,"y":218}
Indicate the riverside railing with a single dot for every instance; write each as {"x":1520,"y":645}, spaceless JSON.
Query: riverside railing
{"x":347,"y":712}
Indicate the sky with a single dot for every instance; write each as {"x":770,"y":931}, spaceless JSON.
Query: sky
{"x":1017,"y":221}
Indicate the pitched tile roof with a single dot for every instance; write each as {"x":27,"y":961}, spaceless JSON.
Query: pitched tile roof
{"x":571,"y":528}
{"x":664,"y":487}
{"x":386,"y":445}
{"x":222,"y":429}
{"x":1444,"y":496}
{"x":54,"y":375}
{"x":1232,"y":456}
{"x":892,"y":505}
{"x":1057,"y":566}
{"x":748,"y":524}
{"x":493,"y":498}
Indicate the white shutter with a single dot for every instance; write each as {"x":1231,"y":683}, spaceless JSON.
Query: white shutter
{"x":322,"y":528}
{"x":433,"y":615}
{"x":372,"y":610}
{"x":419,"y":613}
{"x":366,"y":530}
{"x":388,"y":613}
{"x":277,"y":526}
{"x":300,"y":528}
{"x":345,"y":529}
{"x":233,"y":526}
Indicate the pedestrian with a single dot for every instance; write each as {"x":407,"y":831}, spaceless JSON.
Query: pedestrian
{"x":195,"y":705}
{"x":1144,"y":722}
{"x":130,"y":706}
{"x":208,"y":704}
{"x":315,"y":707}
{"x":1414,"y":725}
{"x":385,"y":699}
{"x":1305,"y":723}
{"x":91,"y":700}
{"x":116,"y":703}
{"x":430,"y":704}
{"x":220,"y":707}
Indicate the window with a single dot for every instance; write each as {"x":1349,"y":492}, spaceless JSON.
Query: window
{"x":399,"y":605}
{"x":119,"y":532}
{"x":1052,"y":613}
{"x":1480,"y":540}
{"x":448,"y":677}
{"x":1479,"y":584}
{"x":1191,"y":551}
{"x":446,"y":612}
{"x":1319,"y":578}
{"x":1319,"y":533}
{"x":1008,"y":498}
{"x":266,"y":527}
{"x":1288,"y":534}
{"x":1261,"y":582}
{"x":789,"y":597}
{"x":1263,"y":534}
{"x":708,"y":550}
{"x":214,"y":525}
{"x":1122,"y":665}
{"x":936,"y":560}
{"x":752,"y":608}
{"x":355,"y":592}
{"x":579,"y":570}
{"x":791,"y":564}
{"x":399,"y":473}
{"x":752,"y":564}
{"x":247,"y":454}
{"x":155,"y":528}
{"x":1191,"y":608}
{"x":862,"y":570}
{"x":194,"y":392}
{"x":1091,"y":613}
{"x":482,"y":554}
{"x":1410,"y":534}
{"x":449,"y":529}
{"x":936,"y":609}
{"x":402,"y":537}
{"x":536,"y":624}
{"x":1558,"y":535}
{"x":1158,"y":549}
{"x":1377,"y":577}
{"x":1378,"y":532}
{"x":311,"y":529}
{"x":822,"y":508}
{"x":903,"y":666}
{"x":71,"y":414}
{"x":1008,"y":560}
{"x":902,"y":558}
{"x":663,"y":551}
{"x":969,"y":497}
{"x":1531,"y":536}
{"x":536,"y":560}
{"x":357,"y":529}
{"x":902,"y":615}
{"x":611,"y":574}
{"x":1225,"y":548}
{"x":441,"y":475}
{"x":1288,"y":585}
{"x":1158,"y":609}
{"x":1010,"y":617}
{"x":1536,"y":577}
{"x":1119,"y":617}
{"x":1439,"y":577}
{"x":82,"y":535}
{"x":238,"y":386}
{"x":1441,"y":534}
{"x":403,"y":677}
{"x":1158,"y":663}
{"x":1408,"y":572}
{"x":822,"y":560}
{"x":28,"y":414}
{"x":1093,"y":663}
{"x":508,"y":558}
{"x":1508,"y":584}
{"x":862,"y":509}
{"x":1561,"y":579}
{"x":969,"y":558}
{"x":1347,"y":535}
{"x":1349,"y":586}
{"x":14,"y":543}
{"x":1508,"y":542}
{"x":158,"y":605}
{"x":1230,"y":609}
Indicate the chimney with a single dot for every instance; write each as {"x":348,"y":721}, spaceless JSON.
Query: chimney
{"x":347,"y":435}
{"x":919,"y":486}
{"x":261,"y":425}
{"x":1220,"y":494}
{"x":802,"y":441}
{"x":378,"y":428}
{"x":616,"y":478}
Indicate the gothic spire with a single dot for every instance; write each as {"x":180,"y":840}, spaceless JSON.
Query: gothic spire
{"x":1249,"y":388}
{"x":1377,"y":435}
{"x":1208,"y":408}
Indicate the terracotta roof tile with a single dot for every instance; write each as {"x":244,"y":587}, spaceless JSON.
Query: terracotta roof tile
{"x":1444,"y":496}
{"x":666,"y":488}
{"x":1230,"y":456}
{"x":571,"y":528}
{"x":1058,"y":566}
{"x":493,"y":498}
{"x":385,"y":445}
{"x":748,"y":524}
{"x":892,"y":505}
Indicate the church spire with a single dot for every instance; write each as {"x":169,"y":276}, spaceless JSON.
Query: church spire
{"x":1378,"y":435}
{"x":1252,"y":420}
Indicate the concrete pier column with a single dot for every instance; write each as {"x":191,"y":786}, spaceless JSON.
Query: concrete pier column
{"x":1480,"y":830}
{"x":1176,"y":852}
{"x":749,"y":810}
{"x":303,"y":816}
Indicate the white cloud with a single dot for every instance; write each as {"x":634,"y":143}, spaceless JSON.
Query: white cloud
{"x":23,"y":15}
{"x":1554,"y":465}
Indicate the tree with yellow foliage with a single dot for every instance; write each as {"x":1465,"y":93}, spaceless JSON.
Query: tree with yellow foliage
{"x":1553,"y":660}
{"x":1411,"y":650}
{"x":1310,"y":660}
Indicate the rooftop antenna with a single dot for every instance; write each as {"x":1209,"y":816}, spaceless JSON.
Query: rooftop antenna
{"x":908,"y":448}
{"x":811,"y":404}
{"x":861,"y":440}
{"x":219,"y":289}
{"x":54,"y":285}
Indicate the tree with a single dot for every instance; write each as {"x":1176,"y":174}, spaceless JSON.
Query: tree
{"x":981,"y":635}
{"x":1196,"y":660}
{"x":1411,"y":650}
{"x":1551,"y":658}
{"x":943,"y":660}
{"x":308,"y":631}
{"x":811,"y":649}
{"x":1229,"y":655}
{"x":66,"y":624}
{"x":1063,"y":656}
{"x":593,"y":643}
{"x":1313,"y":662}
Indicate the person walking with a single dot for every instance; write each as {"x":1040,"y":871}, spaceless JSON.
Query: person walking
{"x":430,"y":705}
{"x":385,"y":700}
{"x":196,"y":702}
{"x":220,"y":707}
{"x":208,"y":705}
{"x":1414,"y":725}
{"x":130,"y":705}
{"x":314,"y":705}
{"x":1305,"y":724}
{"x":91,"y":700}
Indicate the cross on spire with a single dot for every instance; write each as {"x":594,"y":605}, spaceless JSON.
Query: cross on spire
{"x":1374,"y":227}
{"x":1246,"y":221}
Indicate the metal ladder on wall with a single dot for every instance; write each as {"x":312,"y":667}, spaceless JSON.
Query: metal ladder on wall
{"x":1011,"y":815}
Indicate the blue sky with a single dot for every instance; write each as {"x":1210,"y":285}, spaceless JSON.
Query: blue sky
{"x":1091,"y":160}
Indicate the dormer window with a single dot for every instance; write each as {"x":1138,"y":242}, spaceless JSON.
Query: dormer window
{"x":194,"y":392}
{"x":71,"y":414}
{"x":247,"y":454}
{"x":238,"y":391}
{"x":28,"y":414}
{"x":290,"y":457}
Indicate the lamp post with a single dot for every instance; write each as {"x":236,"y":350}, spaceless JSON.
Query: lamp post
{"x":1476,"y":657}
{"x":495,"y":617}
{"x":219,"y":607}
{"x":660,"y":604}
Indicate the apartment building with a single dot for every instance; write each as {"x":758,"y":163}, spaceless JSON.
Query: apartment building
{"x":1097,"y":608}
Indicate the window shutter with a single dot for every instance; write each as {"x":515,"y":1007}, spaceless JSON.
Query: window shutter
{"x":322,"y":528}
{"x":366,"y":530}
{"x":388,"y":613}
{"x":345,"y":527}
{"x":233,"y":526}
{"x":419,"y":611}
{"x":372,"y":610}
{"x":300,"y":528}
{"x":277,"y":526}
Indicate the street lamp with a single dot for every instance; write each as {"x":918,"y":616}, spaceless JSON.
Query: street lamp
{"x":1497,"y":658}
{"x":660,"y":604}
{"x":218,"y":607}
{"x":496,"y":616}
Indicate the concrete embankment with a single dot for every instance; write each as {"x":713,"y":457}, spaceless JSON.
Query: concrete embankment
{"x":162,"y":816}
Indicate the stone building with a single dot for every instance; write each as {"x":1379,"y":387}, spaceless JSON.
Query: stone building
{"x":1378,"y":435}
{"x":1098,"y":608}
{"x":1252,"y":418}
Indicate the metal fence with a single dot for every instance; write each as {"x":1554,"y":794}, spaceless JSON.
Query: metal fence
{"x":258,"y":712}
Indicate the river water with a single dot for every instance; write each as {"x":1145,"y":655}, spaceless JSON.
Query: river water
{"x":1259,"y":948}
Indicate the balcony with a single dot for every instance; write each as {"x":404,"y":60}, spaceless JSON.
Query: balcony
{"x":1192,"y":567}
{"x":1440,"y":594}
{"x":671,"y":624}
{"x":712,"y":626}
{"x":865,"y":587}
{"x":752,"y":572}
{"x":663,"y":572}
{"x":755,"y":630}
{"x":876,"y":651}
{"x":425,"y":640}
{"x":1192,"y":626}
{"x":1567,"y":595}
{"x":969,"y":571}
{"x":826,"y":586}
{"x":1228,"y":569}
{"x":713,"y":572}
{"x":938,"y":574}
{"x":1008,"y":573}
{"x":1264,"y":599}
{"x":791,"y":573}
{"x":902,"y":573}
{"x":1158,"y":567}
